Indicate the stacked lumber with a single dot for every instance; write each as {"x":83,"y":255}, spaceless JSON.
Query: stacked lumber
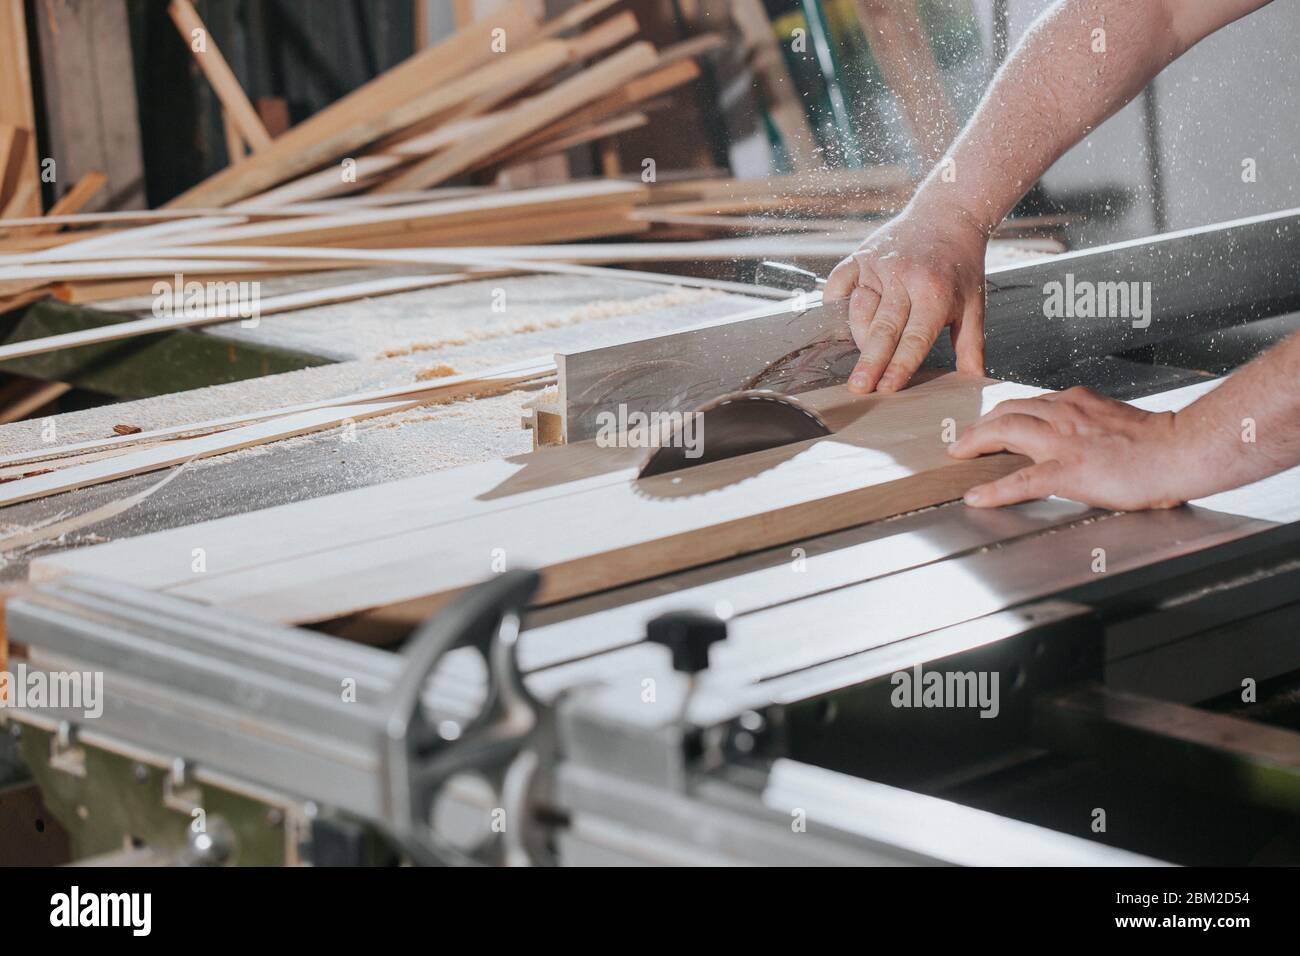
{"x":504,"y":89}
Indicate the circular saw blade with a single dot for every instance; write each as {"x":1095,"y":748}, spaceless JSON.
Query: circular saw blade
{"x":738,"y":423}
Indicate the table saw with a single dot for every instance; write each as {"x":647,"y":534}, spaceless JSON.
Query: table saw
{"x":767,"y":708}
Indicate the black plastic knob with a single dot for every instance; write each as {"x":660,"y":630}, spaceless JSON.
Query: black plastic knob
{"x":688,"y":635}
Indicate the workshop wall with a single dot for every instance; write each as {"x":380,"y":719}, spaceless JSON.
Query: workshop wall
{"x":1233,"y":97}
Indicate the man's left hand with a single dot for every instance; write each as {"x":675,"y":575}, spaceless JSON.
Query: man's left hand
{"x":1085,"y":447}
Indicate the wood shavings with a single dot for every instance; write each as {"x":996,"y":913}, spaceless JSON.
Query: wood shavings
{"x":592,"y":312}
{"x":403,"y":351}
{"x":440,"y":370}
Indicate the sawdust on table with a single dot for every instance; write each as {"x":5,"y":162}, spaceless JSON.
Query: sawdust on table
{"x":440,"y":370}
{"x":591,"y":312}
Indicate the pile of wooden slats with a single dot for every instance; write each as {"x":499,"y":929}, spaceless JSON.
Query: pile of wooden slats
{"x":504,"y":89}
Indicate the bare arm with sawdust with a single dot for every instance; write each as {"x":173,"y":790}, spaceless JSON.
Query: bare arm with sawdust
{"x":924,"y":270}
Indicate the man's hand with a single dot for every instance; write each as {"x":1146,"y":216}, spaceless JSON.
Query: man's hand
{"x":912,"y":277}
{"x":1086,"y":448}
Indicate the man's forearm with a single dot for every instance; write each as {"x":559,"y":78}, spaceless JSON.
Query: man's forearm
{"x":1246,"y":429}
{"x":1079,"y":63}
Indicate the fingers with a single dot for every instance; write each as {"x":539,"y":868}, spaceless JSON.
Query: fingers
{"x":1021,"y":434}
{"x":841,"y":281}
{"x":863,"y":303}
{"x":968,"y":335}
{"x":1027,"y":484}
{"x":932,"y":307}
{"x":882,"y":335}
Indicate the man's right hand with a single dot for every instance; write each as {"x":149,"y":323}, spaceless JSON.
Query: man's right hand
{"x":909,"y":279}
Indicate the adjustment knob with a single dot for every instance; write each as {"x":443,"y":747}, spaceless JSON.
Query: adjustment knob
{"x":688,"y":635}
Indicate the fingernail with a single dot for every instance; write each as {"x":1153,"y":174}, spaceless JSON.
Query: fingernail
{"x":974,"y":496}
{"x":858,"y":380}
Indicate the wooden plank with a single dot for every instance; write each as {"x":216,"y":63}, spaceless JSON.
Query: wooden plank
{"x":351,"y":122}
{"x":13,"y":156}
{"x":27,"y":191}
{"x":89,"y":97}
{"x":234,"y":101}
{"x":461,"y":129}
{"x":609,"y":128}
{"x":577,"y":512}
{"x":16,"y":105}
{"x":576,"y":16}
{"x":421,"y":139}
{"x":82,"y":192}
{"x":561,"y":99}
{"x":358,"y":223}
{"x":236,"y":147}
{"x":512,"y":72}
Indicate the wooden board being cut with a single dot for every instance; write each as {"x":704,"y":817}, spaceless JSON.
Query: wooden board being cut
{"x":577,"y":512}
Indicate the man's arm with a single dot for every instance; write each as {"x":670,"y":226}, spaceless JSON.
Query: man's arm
{"x":924,"y":270}
{"x":1106,"y":453}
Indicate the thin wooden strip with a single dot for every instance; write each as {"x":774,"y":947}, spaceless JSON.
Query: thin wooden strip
{"x":113,"y":268}
{"x":580,"y":225}
{"x":559,"y":260}
{"x":349,"y":123}
{"x":224,"y":82}
{"x":449,"y":389}
{"x":173,"y":453}
{"x":620,"y":124}
{"x":122,"y":240}
{"x":79,"y":293}
{"x":308,"y":230}
{"x":49,"y":532}
{"x":544,"y":108}
{"x":276,"y":304}
{"x":124,"y":217}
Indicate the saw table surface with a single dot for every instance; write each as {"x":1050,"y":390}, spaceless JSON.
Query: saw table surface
{"x":375,"y":343}
{"x":395,"y":340}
